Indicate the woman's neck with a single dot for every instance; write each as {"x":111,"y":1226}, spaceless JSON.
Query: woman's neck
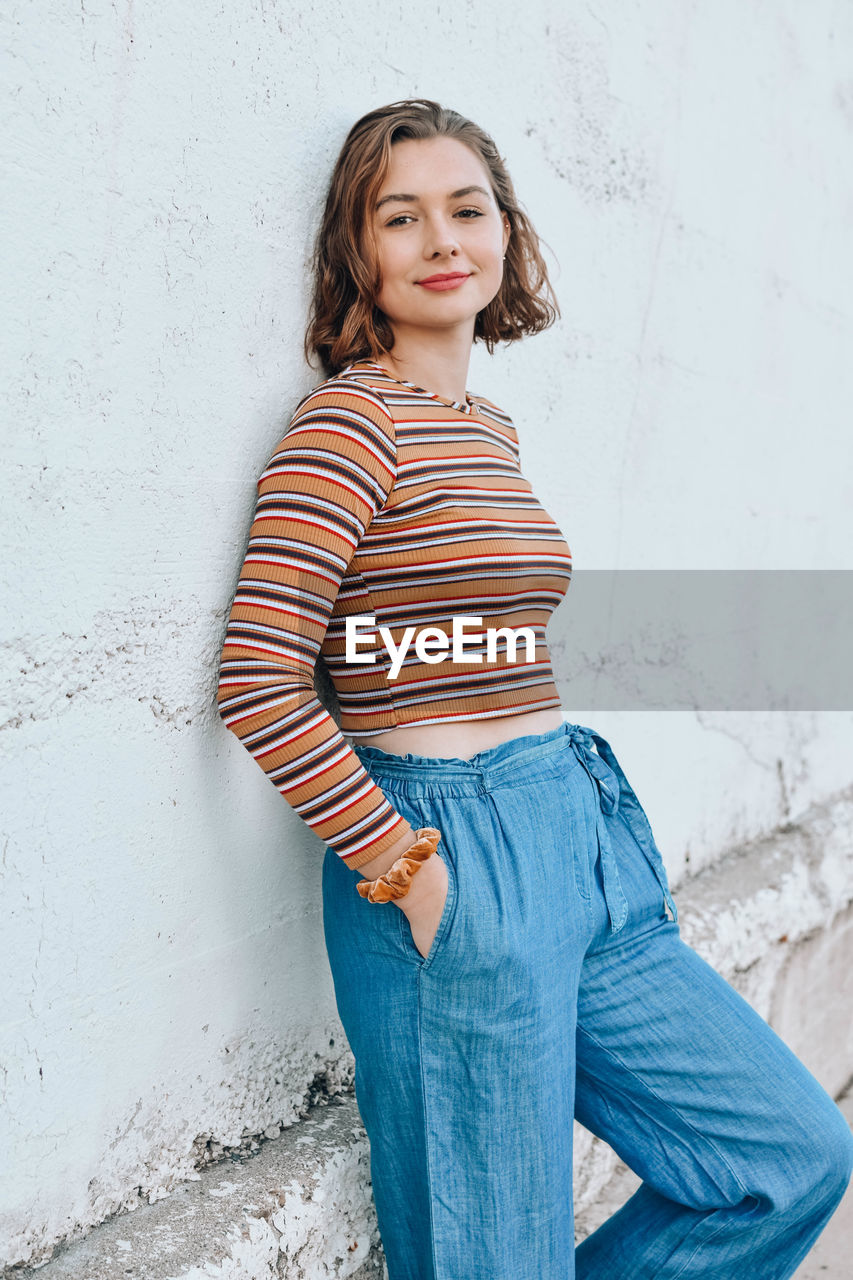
{"x":440,"y":368}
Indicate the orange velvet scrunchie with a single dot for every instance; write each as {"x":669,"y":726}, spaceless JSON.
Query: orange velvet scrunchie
{"x":397,"y":880}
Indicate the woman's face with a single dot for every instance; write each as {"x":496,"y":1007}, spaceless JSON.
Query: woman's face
{"x":436,"y":215}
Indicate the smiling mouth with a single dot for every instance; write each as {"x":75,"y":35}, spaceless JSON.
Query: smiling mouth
{"x":453,"y":275}
{"x":443,"y":284}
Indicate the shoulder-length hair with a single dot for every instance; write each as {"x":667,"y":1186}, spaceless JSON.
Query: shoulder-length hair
{"x":344,"y":322}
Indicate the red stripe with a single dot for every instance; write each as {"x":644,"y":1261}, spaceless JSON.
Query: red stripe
{"x":509,"y":707}
{"x":250,"y":715}
{"x":284,"y":788}
{"x":307,"y":427}
{"x":298,"y":518}
{"x":262,"y":755}
{"x":281,"y":469}
{"x":347,"y":807}
{"x":346,"y":856}
{"x":260,"y":604}
{"x":301,"y":569}
{"x":260,"y":648}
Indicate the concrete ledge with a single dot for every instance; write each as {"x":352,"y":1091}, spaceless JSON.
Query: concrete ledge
{"x":301,"y":1207}
{"x":775,"y":918}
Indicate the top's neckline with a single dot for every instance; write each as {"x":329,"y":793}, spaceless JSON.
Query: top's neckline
{"x":468,"y":406}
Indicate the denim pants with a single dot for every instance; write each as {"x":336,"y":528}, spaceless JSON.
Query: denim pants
{"x":558,"y":987}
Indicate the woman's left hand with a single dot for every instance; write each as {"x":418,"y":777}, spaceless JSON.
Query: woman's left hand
{"x":423,"y":905}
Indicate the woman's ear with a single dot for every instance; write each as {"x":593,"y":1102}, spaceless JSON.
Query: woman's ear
{"x":506,"y":234}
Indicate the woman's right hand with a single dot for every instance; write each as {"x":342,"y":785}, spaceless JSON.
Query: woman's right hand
{"x":423,"y":905}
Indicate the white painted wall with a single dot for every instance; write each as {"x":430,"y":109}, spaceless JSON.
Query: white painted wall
{"x":164,"y":977}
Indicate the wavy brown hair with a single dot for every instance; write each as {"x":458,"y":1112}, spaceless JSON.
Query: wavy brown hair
{"x":344,"y":323}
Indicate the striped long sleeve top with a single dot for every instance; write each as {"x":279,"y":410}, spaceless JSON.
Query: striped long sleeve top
{"x":390,"y":504}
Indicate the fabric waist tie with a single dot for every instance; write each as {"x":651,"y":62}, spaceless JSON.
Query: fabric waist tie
{"x":616,"y":794}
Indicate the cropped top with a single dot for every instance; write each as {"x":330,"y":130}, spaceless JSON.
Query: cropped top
{"x":390,"y":504}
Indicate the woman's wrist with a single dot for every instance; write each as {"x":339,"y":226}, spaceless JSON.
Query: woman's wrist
{"x":385,"y":860}
{"x":411,"y":877}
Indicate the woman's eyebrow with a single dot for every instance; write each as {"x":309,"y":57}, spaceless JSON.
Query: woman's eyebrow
{"x":454,"y":195}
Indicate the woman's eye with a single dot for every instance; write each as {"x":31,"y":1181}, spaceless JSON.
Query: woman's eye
{"x":401,"y":217}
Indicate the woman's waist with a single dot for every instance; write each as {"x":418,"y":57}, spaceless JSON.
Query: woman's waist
{"x":463,"y":738}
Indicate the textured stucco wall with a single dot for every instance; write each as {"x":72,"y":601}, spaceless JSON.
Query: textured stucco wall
{"x":166,"y":992}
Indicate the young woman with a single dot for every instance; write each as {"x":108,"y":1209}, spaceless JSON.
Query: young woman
{"x":529,"y":970}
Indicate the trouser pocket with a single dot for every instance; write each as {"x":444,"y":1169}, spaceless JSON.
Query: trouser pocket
{"x":444,"y":923}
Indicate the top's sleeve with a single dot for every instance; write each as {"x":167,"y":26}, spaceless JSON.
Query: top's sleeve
{"x":328,"y":477}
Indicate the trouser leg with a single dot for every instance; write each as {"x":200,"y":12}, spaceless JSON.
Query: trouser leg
{"x":376,"y":991}
{"x":465,"y":1060}
{"x":743,"y":1154}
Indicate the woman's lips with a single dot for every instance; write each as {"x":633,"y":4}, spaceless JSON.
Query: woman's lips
{"x":453,"y":282}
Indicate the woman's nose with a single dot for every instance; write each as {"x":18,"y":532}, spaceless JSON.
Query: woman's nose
{"x":440,"y":239}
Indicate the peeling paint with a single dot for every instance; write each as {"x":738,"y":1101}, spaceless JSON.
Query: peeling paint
{"x":280,"y":1214}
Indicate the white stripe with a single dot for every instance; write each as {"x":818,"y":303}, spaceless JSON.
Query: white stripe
{"x":296,"y":545}
{"x":374,"y":835}
{"x":281,"y":739}
{"x":465,"y":716}
{"x":311,"y":522}
{"x":318,"y":617}
{"x":300,"y":774}
{"x":305,"y":426}
{"x":539,"y":673}
{"x":508,"y":558}
{"x":284,"y":593}
{"x":328,"y":811}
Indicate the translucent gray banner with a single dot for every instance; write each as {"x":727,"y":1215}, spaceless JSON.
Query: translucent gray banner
{"x":714,"y":640}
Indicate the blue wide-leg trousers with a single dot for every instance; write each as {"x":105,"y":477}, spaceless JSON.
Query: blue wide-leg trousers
{"x":558,"y":987}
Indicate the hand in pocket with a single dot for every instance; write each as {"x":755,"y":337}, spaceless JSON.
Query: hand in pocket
{"x":423,"y":905}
